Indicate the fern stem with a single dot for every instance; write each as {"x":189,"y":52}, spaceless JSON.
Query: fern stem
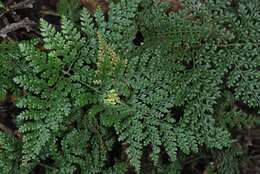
{"x":243,"y":78}
{"x":90,"y":87}
{"x":249,"y":87}
{"x":83,"y":83}
{"x":236,"y":44}
{"x":47,"y":166}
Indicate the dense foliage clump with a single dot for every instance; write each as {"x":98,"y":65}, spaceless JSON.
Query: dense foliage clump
{"x":138,"y":80}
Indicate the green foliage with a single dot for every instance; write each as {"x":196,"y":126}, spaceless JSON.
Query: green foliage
{"x":227,"y":160}
{"x":69,"y":8}
{"x":10,"y":154}
{"x":1,"y":5}
{"x":173,"y":168}
{"x":9,"y":62}
{"x":92,"y":90}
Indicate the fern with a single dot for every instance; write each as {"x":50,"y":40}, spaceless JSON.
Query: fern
{"x":69,"y":8}
{"x":10,"y":154}
{"x":227,"y":160}
{"x":93,"y":89}
{"x":9,"y":60}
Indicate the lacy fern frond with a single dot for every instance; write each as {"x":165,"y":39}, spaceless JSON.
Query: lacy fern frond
{"x":9,"y":60}
{"x":9,"y":154}
{"x":136,"y":80}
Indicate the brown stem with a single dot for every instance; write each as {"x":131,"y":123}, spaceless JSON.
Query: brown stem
{"x":9,"y":131}
{"x":25,"y":23}
{"x":51,"y":13}
{"x":22,"y":5}
{"x":17,"y":6}
{"x":6,"y":129}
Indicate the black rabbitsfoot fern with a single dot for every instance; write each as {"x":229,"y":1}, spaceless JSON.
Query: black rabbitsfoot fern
{"x":92,"y":89}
